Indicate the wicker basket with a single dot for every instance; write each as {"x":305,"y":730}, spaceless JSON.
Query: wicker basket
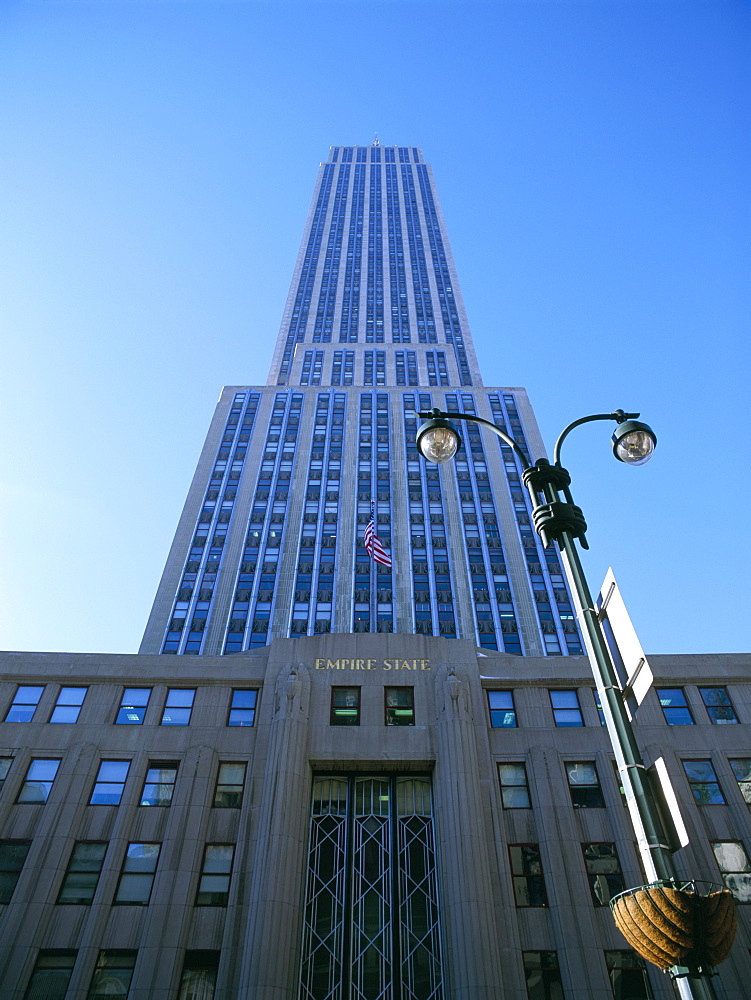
{"x":671,"y":925}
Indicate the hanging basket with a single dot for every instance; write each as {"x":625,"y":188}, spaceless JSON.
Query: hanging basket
{"x":672,"y":925}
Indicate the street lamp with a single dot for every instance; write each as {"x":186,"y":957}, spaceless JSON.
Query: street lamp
{"x":557,"y":518}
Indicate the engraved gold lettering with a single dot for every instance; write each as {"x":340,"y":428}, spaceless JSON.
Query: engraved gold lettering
{"x":387,"y":664}
{"x":332,"y":664}
{"x":371,"y":665}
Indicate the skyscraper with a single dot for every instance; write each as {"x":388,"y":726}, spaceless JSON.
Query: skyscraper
{"x":375,"y":797}
{"x":270,"y":543}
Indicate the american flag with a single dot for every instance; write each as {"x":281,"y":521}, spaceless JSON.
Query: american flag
{"x":373,"y":545}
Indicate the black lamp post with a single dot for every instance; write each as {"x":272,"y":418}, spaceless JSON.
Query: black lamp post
{"x":557,"y":518}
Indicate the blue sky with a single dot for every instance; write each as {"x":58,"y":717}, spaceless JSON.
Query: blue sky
{"x":157,"y":161}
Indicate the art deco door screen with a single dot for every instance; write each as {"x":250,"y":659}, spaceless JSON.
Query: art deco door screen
{"x":371,"y":911}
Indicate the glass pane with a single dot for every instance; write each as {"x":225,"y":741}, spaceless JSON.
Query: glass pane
{"x":500,"y":699}
{"x":512,"y":774}
{"x":65,"y":713}
{"x":136,"y":696}
{"x":113,"y":770}
{"x":134,"y":888}
{"x":740,"y":886}
{"x":244,"y":699}
{"x":106,"y":794}
{"x":181,"y":697}
{"x":176,"y":716}
{"x":231,"y":774}
{"x":43,"y":770}
{"x":699,"y":770}
{"x":568,"y":717}
{"x":731,"y":857}
{"x":71,"y":696}
{"x":218,"y":858}
{"x":581,"y":773}
{"x":564,"y":699}
{"x":515,"y":798}
{"x":141,"y":857}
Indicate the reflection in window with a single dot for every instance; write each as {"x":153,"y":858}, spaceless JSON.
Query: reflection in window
{"x":51,"y":975}
{"x":345,"y":706}
{"x":137,"y":876}
{"x":527,"y":877}
{"x":198,"y":980}
{"x":213,"y":887}
{"x":543,"y":975}
{"x":82,"y":875}
{"x":584,"y":784}
{"x":514,"y":788}
{"x":38,"y":782}
{"x":628,"y":976}
{"x":674,"y":707}
{"x":68,"y":705}
{"x":718,"y":705}
{"x":566,"y":711}
{"x":733,"y":862}
{"x":112,"y":976}
{"x":24,"y":704}
{"x":703,"y":781}
{"x":742,"y":770}
{"x":5,"y":763}
{"x":400,"y":706}
{"x":133,"y":707}
{"x":502,"y":711}
{"x":229,"y":785}
{"x":159,"y":785}
{"x":604,"y":872}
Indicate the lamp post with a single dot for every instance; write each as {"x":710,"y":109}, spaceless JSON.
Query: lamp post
{"x":557,"y":518}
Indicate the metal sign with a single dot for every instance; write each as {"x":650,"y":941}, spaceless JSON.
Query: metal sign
{"x":631,"y":664}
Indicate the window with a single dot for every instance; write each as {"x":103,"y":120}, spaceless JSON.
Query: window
{"x":674,"y":707}
{"x":51,"y":975}
{"x":213,"y":887}
{"x":719,"y":706}
{"x":38,"y":782}
{"x":566,"y":711}
{"x":178,"y":707}
{"x":584,"y":785}
{"x":229,"y":785}
{"x":345,"y":706}
{"x":68,"y":704}
{"x":243,"y":708}
{"x":733,"y":862}
{"x":110,"y":782}
{"x":159,"y":785}
{"x":526,"y":872}
{"x":12,"y":857}
{"x":598,"y":705}
{"x":133,"y":707}
{"x":502,"y":711}
{"x":543,"y":975}
{"x":742,"y":770}
{"x":628,"y":976}
{"x":84,"y":869}
{"x":24,"y":704}
{"x":400,"y":706}
{"x":603,"y":871}
{"x":514,"y":787}
{"x":703,"y":781}
{"x":5,"y":763}
{"x":112,"y":976}
{"x":137,"y":876}
{"x":198,"y":980}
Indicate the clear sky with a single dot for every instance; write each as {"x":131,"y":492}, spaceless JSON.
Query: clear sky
{"x":157,"y":159}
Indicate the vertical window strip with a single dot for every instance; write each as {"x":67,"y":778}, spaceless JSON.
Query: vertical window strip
{"x":301,"y":307}
{"x":400,"y":331}
{"x":426,"y":332}
{"x":193,"y":601}
{"x":374,"y":292}
{"x":351,"y":292}
{"x":324,"y":320}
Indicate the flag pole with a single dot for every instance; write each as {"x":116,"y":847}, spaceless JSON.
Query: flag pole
{"x":372,"y":574}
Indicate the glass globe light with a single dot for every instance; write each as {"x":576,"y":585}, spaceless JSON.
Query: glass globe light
{"x":438,"y":440}
{"x":634,"y":442}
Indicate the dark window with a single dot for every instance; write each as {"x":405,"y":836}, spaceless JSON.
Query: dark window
{"x":584,"y":784}
{"x":110,"y":783}
{"x":137,"y":876}
{"x":213,"y":887}
{"x":51,"y":975}
{"x":84,"y":869}
{"x":24,"y":704}
{"x":718,"y":705}
{"x":178,"y":707}
{"x":703,"y":781}
{"x":733,"y":862}
{"x":742,"y":770}
{"x":603,"y":871}
{"x":345,"y":706}
{"x":112,"y":976}
{"x":543,"y":975}
{"x":502,"y":711}
{"x":229,"y":785}
{"x":600,"y":711}
{"x":159,"y":785}
{"x":243,"y":708}
{"x":514,"y":787}
{"x":12,"y":857}
{"x":526,"y":872}
{"x":133,"y":707}
{"x":400,"y":706}
{"x":566,"y":711}
{"x":628,"y":976}
{"x":38,"y":781}
{"x":198,"y":980}
{"x":5,"y":763}
{"x":68,"y":704}
{"x":674,"y":707}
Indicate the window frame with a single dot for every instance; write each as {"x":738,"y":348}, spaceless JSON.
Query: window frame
{"x":553,"y":967}
{"x":101,"y":967}
{"x":159,"y":765}
{"x":684,"y":708}
{"x":125,"y":706}
{"x":60,"y":989}
{"x":504,"y":785}
{"x":229,"y":785}
{"x":128,"y":876}
{"x":409,"y":718}
{"x":744,"y":783}
{"x":26,"y":716}
{"x":521,"y":877}
{"x":696,"y":783}
{"x":719,"y":708}
{"x":724,"y":872}
{"x":98,"y":781}
{"x":77,"y":706}
{"x":553,"y":692}
{"x":204,"y":874}
{"x":637,"y":963}
{"x":235,"y":710}
{"x":31,"y":782}
{"x":593,"y":877}
{"x":69,"y":870}
{"x":337,"y":710}
{"x":498,"y":710}
{"x":178,"y":708}
{"x":197,"y":960}
{"x":584,"y":786}
{"x":10,"y":870}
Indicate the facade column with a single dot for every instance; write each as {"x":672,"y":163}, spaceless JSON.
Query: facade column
{"x":271,"y":960}
{"x":471,"y":937}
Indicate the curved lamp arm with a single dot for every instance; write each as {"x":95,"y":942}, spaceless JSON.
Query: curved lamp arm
{"x":618,"y":415}
{"x":446,"y":415}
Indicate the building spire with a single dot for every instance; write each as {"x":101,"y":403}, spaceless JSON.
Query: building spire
{"x":376,"y":140}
